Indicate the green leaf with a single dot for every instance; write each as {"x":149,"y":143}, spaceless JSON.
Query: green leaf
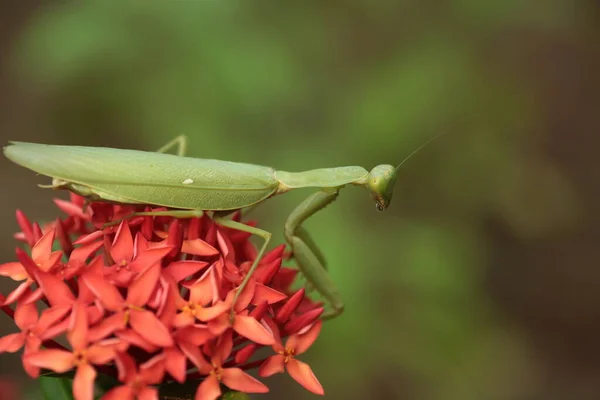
{"x":235,"y":396}
{"x":56,"y":388}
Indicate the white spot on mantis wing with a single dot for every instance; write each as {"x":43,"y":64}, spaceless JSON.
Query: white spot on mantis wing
{"x":188,"y":181}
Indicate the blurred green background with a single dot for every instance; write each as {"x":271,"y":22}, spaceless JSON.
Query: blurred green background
{"x":481,"y":281}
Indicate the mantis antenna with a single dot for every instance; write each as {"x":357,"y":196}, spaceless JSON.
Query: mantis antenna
{"x":415,"y":151}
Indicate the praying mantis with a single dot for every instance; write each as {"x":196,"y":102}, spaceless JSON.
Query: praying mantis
{"x":193,"y":187}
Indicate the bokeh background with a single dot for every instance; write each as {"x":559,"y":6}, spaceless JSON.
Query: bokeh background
{"x":481,"y":281}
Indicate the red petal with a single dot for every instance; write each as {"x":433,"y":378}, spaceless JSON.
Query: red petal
{"x":274,"y":254}
{"x":290,"y":306}
{"x":54,"y":330}
{"x":264,"y":293}
{"x":194,"y":226}
{"x":142,"y":287}
{"x":304,"y":320}
{"x":117,"y":345}
{"x":278,"y":345}
{"x":265,"y":272}
{"x":12,"y":343}
{"x":119,"y":393}
{"x":13,"y":270}
{"x":209,"y":389}
{"x":78,"y":329}
{"x":18,"y":293}
{"x":149,"y":257}
{"x":194,"y":354}
{"x":237,"y":379}
{"x":219,"y":325}
{"x":245,"y":353}
{"x":158,"y":296}
{"x":96,"y":266}
{"x":194,"y":334}
{"x":57,"y":292}
{"x":27,"y":263}
{"x":108,"y":294}
{"x":206,"y":314}
{"x":249,"y":251}
{"x":56,"y":360}
{"x":152,"y":371}
{"x":72,"y":209}
{"x":183,"y":319}
{"x":272,"y":365}
{"x":42,"y":249}
{"x":87,"y":239}
{"x":148,"y":393}
{"x":126,"y":367}
{"x":122,"y":246}
{"x":253,"y":330}
{"x":83,"y":384}
{"x":37,"y":231}
{"x":131,"y":337}
{"x":169,"y":296}
{"x":140,"y":243}
{"x":26,"y":227}
{"x":246,"y":296}
{"x":198,"y":247}
{"x":303,"y":374}
{"x":223,"y":349}
{"x":148,"y":326}
{"x":211,"y":233}
{"x":175,"y":364}
{"x":51,"y":261}
{"x":107,"y":326}
{"x":181,"y":270}
{"x":284,"y":278}
{"x":101,"y":353}
{"x":61,"y":236}
{"x":80,"y":254}
{"x":301,"y":342}
{"x":259,"y":311}
{"x":29,"y":298}
{"x":205,"y":289}
{"x":226,"y":246}
{"x":31,"y":370}
{"x":25,"y":315}
{"x":50,"y":316}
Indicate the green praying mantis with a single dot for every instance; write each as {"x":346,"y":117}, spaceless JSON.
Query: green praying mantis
{"x":192,"y":187}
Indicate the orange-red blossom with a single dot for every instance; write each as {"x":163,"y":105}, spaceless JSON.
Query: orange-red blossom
{"x":148,"y":300}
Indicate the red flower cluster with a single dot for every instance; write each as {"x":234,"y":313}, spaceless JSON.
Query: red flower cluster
{"x":149,"y":301}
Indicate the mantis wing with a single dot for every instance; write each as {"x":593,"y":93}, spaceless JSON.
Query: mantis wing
{"x":151,"y":178}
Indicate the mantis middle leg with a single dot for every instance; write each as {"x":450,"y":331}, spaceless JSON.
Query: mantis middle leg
{"x":266,"y":236}
{"x":181,"y":143}
{"x":306,"y":253}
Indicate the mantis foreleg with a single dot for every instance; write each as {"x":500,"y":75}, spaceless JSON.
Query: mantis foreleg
{"x":181,"y":143}
{"x":308,"y":256}
{"x":303,"y":235}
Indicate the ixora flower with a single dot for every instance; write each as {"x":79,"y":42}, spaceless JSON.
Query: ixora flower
{"x":148,"y":302}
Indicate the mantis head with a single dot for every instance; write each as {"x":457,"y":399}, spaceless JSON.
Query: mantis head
{"x":381,"y":182}
{"x":382,"y":178}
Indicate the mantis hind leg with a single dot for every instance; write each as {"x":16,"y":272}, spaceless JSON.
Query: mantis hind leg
{"x":266,"y":236}
{"x":309,"y":258}
{"x":181,"y":143}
